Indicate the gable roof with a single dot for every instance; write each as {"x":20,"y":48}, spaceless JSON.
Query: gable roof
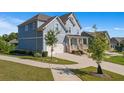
{"x":43,"y":25}
{"x":92,"y":34}
{"x":41,"y":28}
{"x":47,"y":19}
{"x":118,"y":39}
{"x":40,"y":17}
{"x":65,"y":17}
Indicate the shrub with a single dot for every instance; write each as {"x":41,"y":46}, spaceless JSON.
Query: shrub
{"x":30,"y":53}
{"x":37,"y":54}
{"x":44,"y":54}
{"x":79,"y":52}
{"x":73,"y":52}
{"x":21,"y":52}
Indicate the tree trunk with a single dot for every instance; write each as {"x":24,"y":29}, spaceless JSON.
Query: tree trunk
{"x":99,"y":69}
{"x":51,"y":53}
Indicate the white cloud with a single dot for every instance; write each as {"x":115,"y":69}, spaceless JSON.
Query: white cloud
{"x":9,"y":24}
{"x":118,"y":28}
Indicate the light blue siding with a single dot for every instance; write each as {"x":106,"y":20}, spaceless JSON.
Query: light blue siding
{"x":27,"y":44}
{"x":60,"y":36}
{"x":39,"y":23}
{"x":74,"y":29}
{"x":31,"y":39}
{"x":35,"y":40}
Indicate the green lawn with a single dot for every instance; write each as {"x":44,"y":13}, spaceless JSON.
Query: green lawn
{"x":115,"y":59}
{"x":18,"y":72}
{"x":48,"y":60}
{"x":85,"y":75}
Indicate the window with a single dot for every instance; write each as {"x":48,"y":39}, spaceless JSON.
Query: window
{"x":69,"y":30}
{"x":78,"y":33}
{"x":85,"y":41}
{"x":33,"y":25}
{"x":26,"y":28}
{"x":56,"y":27}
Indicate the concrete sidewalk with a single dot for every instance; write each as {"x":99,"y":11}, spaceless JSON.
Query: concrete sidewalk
{"x":62,"y":72}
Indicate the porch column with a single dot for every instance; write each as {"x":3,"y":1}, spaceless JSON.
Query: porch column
{"x":78,"y":44}
{"x":87,"y":42}
{"x":69,"y":44}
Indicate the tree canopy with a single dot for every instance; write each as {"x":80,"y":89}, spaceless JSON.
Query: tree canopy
{"x":9,"y":37}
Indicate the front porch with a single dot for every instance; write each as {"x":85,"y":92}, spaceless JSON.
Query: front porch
{"x":73,"y":43}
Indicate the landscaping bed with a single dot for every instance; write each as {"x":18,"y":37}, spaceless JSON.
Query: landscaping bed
{"x":86,"y":74}
{"x":10,"y":71}
{"x":48,"y":60}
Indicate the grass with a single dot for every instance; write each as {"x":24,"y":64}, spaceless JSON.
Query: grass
{"x":10,"y":71}
{"x":48,"y":60}
{"x":115,"y":59}
{"x":84,"y":74}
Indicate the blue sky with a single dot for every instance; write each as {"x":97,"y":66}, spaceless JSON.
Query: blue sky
{"x":113,"y":22}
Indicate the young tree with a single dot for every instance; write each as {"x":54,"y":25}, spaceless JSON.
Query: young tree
{"x":97,"y":47}
{"x":51,"y":39}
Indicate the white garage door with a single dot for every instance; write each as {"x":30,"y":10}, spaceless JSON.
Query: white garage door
{"x":59,"y":48}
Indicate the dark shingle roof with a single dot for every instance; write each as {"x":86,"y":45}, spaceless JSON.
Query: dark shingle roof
{"x":64,"y":17}
{"x":47,"y":19}
{"x":92,"y":34}
{"x":47,"y":22}
{"x":119,"y":39}
{"x":40,"y":17}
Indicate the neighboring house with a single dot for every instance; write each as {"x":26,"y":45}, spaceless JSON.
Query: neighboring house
{"x":89,"y":35}
{"x":117,"y":42}
{"x":13,"y":42}
{"x":32,"y":32}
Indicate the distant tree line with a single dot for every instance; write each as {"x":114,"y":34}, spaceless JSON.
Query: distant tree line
{"x":9,"y":37}
{"x":5,"y":47}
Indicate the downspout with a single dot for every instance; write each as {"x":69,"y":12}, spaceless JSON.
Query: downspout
{"x":36,"y":40}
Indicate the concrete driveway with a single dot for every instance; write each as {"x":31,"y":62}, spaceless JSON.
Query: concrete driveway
{"x":85,"y":61}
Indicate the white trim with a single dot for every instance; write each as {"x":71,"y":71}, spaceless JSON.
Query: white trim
{"x":58,"y":21}
{"x":49,"y":22}
{"x":75,"y":19}
{"x":30,"y":37}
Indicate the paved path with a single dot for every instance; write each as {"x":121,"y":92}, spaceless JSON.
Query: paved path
{"x":84,"y":61}
{"x":62,"y":72}
{"x":64,"y":75}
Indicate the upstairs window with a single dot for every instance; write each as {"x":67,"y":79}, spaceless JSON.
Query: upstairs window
{"x":69,"y":30}
{"x":26,"y":28}
{"x":33,"y":25}
{"x":56,"y":27}
{"x":78,"y":32}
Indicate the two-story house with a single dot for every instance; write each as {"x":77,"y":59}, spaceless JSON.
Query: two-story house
{"x":32,"y":33}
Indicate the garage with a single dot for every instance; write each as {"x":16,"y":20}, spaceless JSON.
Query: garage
{"x":59,"y":48}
